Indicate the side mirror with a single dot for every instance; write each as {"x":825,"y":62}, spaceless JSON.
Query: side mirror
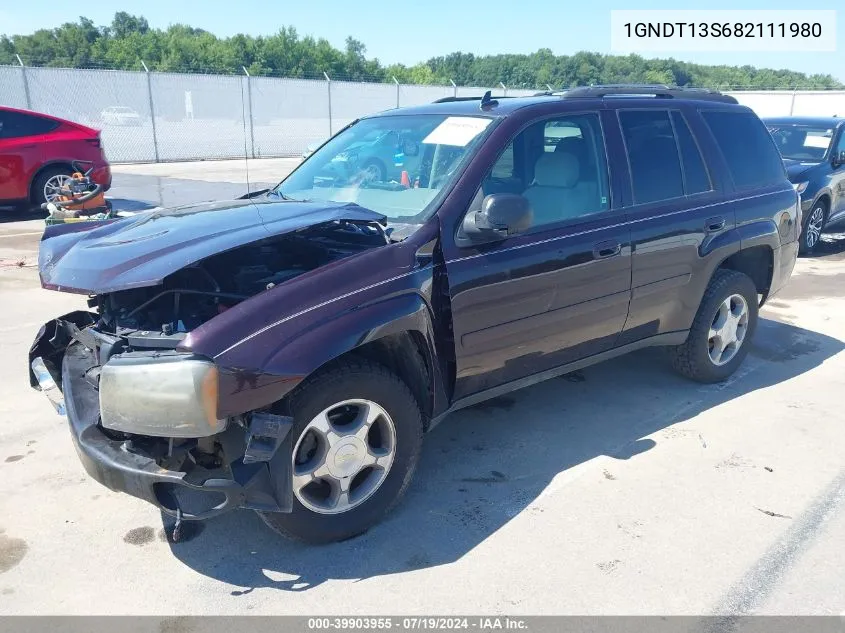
{"x":501,"y":215}
{"x":839,"y":159}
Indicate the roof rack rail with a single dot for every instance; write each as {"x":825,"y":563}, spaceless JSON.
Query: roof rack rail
{"x":658,"y":91}
{"x":478,"y":98}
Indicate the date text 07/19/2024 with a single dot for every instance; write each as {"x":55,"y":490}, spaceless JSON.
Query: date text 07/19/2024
{"x":418,"y":623}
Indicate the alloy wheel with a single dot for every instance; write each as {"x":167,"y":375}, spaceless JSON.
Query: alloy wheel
{"x":814,"y":227}
{"x":728,"y":329}
{"x":343,"y":456}
{"x":54,"y":185}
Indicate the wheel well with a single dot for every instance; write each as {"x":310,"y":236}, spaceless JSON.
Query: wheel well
{"x":825,"y":198}
{"x":44,"y":168}
{"x":404,"y":354}
{"x":757,"y":262}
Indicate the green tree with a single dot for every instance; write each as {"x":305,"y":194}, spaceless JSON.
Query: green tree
{"x":129,"y":39}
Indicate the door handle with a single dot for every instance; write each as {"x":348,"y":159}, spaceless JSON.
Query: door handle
{"x":603,"y":250}
{"x":714,"y":224}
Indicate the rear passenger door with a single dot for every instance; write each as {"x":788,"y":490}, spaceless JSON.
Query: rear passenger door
{"x":676,"y":213}
{"x":558,"y":292}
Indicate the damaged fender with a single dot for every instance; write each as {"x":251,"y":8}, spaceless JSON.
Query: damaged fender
{"x":298,"y":347}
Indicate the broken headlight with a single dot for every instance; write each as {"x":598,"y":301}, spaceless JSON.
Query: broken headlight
{"x":161,"y":395}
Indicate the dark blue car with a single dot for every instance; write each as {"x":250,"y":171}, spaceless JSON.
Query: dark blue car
{"x":813,"y":150}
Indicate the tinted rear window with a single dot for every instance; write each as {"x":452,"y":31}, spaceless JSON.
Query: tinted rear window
{"x":748,"y":148}
{"x":652,"y":155}
{"x":17,"y":124}
{"x":696,"y":179}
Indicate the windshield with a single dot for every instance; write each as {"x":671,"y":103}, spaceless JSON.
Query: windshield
{"x":393,"y":165}
{"x":802,"y":142}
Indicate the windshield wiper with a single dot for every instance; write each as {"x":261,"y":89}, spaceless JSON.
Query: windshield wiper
{"x":278,"y":194}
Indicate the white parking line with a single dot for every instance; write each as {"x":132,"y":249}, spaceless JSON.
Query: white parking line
{"x":21,"y":234}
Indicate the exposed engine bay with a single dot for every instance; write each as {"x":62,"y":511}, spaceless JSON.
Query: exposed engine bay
{"x":196,"y":294}
{"x":156,"y":411}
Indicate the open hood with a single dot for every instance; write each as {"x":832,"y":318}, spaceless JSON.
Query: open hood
{"x":102,"y":257}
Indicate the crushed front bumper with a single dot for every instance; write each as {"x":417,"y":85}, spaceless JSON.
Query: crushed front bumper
{"x":125,"y":463}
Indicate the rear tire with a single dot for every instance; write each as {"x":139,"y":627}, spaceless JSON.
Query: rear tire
{"x":51,"y":176}
{"x":727,"y":291}
{"x":313,"y":520}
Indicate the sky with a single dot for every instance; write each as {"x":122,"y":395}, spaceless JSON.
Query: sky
{"x":410,"y":32}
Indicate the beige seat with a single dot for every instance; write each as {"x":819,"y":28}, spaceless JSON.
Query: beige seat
{"x":556,"y":193}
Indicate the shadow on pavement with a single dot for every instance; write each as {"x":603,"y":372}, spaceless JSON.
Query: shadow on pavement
{"x":484,"y":466}
{"x":20,"y":214}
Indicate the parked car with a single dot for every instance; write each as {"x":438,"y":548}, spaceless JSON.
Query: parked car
{"x":380,"y":156}
{"x":287,"y":352}
{"x":310,"y":149}
{"x":813,"y":149}
{"x":120,"y":115}
{"x":36,"y":152}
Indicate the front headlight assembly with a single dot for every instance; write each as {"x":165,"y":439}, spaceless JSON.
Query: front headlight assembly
{"x":161,"y":395}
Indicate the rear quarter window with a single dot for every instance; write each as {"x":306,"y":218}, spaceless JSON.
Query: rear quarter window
{"x":749,"y":151}
{"x":18,"y":124}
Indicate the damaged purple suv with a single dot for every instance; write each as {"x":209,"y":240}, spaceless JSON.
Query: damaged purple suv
{"x":286,"y":352}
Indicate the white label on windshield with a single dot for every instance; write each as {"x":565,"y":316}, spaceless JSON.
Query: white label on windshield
{"x":457,"y":131}
{"x":816,"y":141}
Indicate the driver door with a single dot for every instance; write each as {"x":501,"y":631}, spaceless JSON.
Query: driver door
{"x":557,"y":293}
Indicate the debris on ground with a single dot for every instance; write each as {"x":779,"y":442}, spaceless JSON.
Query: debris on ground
{"x":774,"y":514}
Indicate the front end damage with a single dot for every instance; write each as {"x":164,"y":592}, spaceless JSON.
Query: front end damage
{"x":163,"y":445}
{"x":146,"y":413}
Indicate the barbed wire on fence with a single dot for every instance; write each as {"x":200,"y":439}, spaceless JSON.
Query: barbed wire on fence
{"x":166,"y":116}
{"x":385,"y":78}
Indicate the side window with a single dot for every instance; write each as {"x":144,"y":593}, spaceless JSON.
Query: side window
{"x":696,"y":179}
{"x":747,"y":146}
{"x":504,"y":167}
{"x":559,"y":165}
{"x":652,"y":155}
{"x":16,"y":125}
{"x":556,"y":133}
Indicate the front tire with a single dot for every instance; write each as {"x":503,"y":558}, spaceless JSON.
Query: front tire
{"x":721,"y":331}
{"x":812,"y":228}
{"x":374,"y":171}
{"x":357,"y":437}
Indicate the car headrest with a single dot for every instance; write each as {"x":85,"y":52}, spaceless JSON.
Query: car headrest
{"x":558,"y":169}
{"x":572,"y":145}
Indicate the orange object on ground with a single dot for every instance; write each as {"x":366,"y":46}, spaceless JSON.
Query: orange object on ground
{"x":75,"y":189}
{"x":406,"y":180}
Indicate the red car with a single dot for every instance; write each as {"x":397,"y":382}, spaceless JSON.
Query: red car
{"x":36,"y":151}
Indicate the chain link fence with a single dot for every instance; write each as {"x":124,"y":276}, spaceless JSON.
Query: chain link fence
{"x":157,"y":117}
